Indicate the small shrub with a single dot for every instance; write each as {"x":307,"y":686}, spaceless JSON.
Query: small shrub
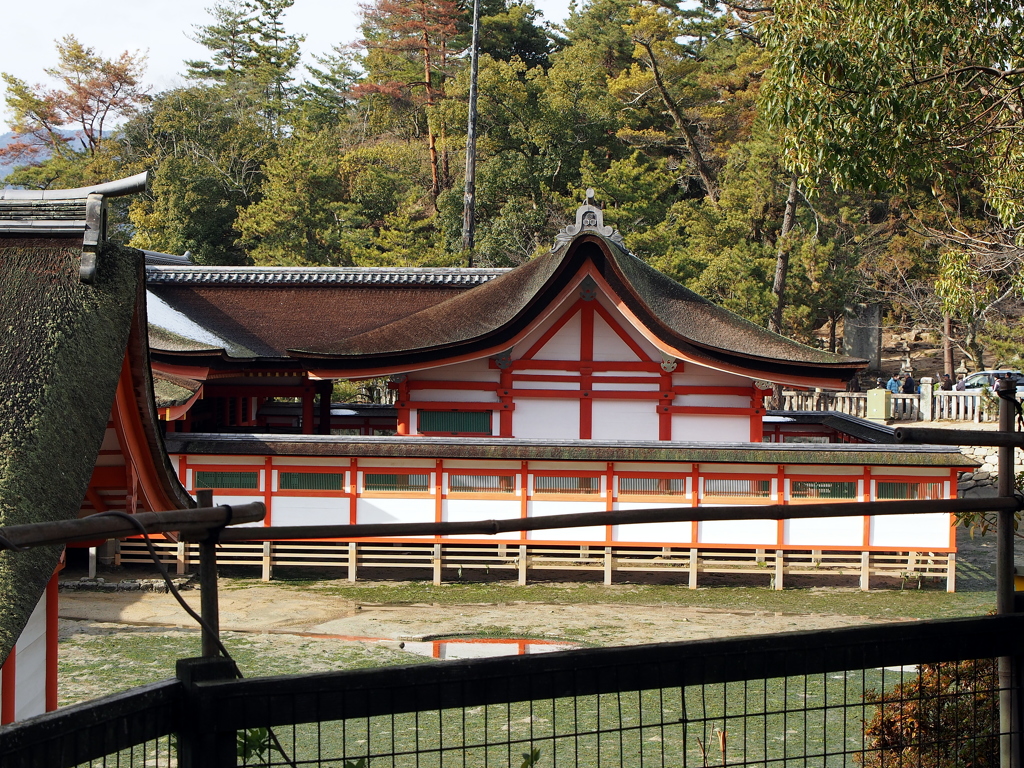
{"x":947,"y":717}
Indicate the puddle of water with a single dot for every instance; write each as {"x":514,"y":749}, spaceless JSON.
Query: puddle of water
{"x":484,"y":648}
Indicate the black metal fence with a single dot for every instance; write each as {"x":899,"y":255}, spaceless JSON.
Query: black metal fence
{"x":914,"y":693}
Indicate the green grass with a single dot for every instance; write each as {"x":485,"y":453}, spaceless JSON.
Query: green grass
{"x":92,"y":665}
{"x":891,"y":603}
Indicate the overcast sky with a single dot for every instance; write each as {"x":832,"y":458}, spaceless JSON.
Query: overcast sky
{"x":160,"y":28}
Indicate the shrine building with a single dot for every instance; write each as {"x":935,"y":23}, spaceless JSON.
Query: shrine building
{"x":581,"y":381}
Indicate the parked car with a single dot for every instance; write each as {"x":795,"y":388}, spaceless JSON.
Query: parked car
{"x":975,"y":382}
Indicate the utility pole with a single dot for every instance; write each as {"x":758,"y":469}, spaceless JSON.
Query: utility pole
{"x":469,"y":198}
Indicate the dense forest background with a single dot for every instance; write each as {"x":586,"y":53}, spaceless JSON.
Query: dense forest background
{"x":783,"y":159}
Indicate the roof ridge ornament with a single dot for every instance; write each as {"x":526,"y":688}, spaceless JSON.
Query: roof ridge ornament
{"x":589,"y":218}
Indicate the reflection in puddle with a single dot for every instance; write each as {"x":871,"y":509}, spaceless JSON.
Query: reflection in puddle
{"x":484,"y":648}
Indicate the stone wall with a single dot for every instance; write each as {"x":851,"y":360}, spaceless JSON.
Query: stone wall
{"x":982,"y":482}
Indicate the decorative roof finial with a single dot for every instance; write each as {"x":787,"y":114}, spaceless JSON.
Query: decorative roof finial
{"x":589,"y":218}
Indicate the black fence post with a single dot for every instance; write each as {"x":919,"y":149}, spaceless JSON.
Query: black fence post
{"x":1009,"y":691}
{"x":200,"y":743}
{"x":208,"y":583}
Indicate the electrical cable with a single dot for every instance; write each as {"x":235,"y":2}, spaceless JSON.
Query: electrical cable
{"x":173,"y":590}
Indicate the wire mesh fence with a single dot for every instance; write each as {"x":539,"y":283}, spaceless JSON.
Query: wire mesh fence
{"x":877,"y":717}
{"x":903,"y":694}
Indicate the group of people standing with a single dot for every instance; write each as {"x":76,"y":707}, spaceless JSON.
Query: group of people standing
{"x":903,"y":383}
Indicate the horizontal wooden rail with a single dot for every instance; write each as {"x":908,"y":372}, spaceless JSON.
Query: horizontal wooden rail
{"x":188,"y":522}
{"x":935,"y":436}
{"x":623,"y":517}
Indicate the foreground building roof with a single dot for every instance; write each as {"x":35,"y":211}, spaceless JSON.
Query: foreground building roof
{"x":73,"y":312}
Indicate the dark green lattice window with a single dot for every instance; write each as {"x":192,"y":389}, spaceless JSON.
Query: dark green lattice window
{"x":311,"y":481}
{"x":395,"y":483}
{"x":227,"y":480}
{"x":823,"y":489}
{"x":456,"y":422}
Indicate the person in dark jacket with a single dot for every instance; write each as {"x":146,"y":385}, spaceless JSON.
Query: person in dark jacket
{"x":909,"y":385}
{"x":947,"y":383}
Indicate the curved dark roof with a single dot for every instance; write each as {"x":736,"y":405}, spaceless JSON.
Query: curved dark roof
{"x":60,"y":360}
{"x":496,"y":312}
{"x":248,"y":313}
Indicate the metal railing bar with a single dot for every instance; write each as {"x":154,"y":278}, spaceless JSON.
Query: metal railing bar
{"x":187,"y":522}
{"x":88,"y":731}
{"x":321,"y":697}
{"x":623,"y":517}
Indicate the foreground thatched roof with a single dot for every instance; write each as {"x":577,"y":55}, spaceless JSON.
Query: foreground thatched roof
{"x":62,"y":343}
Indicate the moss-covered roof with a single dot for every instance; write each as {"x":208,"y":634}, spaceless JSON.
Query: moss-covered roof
{"x":61,"y":349}
{"x":170,"y":390}
{"x":418,"y":446}
{"x":494,"y":313}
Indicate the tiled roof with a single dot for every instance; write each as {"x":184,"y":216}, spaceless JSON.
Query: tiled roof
{"x":164,"y":275}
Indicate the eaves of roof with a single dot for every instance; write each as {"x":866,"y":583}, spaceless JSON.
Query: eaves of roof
{"x":566,"y":450}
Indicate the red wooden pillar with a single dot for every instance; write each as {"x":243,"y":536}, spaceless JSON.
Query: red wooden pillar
{"x":586,"y":377}
{"x":664,"y":415}
{"x":307,"y":410}
{"x":326,"y":389}
{"x":8,"y":674}
{"x":51,"y":643}
{"x":505,"y":396}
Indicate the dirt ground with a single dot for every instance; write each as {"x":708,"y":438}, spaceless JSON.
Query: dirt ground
{"x":112,"y":640}
{"x":280,"y":610}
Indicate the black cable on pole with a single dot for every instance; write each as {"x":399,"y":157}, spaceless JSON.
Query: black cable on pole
{"x":173,"y":589}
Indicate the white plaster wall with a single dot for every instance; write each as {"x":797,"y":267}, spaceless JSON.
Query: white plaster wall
{"x":311,"y":461}
{"x":675,"y":532}
{"x":553,"y":419}
{"x":710,"y":429}
{"x":453,"y":395}
{"x":30,"y":666}
{"x":820,"y":532}
{"x":713,"y":401}
{"x":586,"y":533}
{"x":232,"y":500}
{"x":473,"y":370}
{"x":395,"y":511}
{"x":310,"y":510}
{"x":471,"y":510}
{"x":564,"y":345}
{"x":753,"y":532}
{"x":911,"y":531}
{"x":694,"y":375}
{"x":624,"y":420}
{"x":608,"y":345}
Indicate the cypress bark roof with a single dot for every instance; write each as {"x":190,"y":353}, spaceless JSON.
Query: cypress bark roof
{"x":494,"y":313}
{"x":60,"y":360}
{"x":71,"y":304}
{"x":247,"y":313}
{"x":364,"y":319}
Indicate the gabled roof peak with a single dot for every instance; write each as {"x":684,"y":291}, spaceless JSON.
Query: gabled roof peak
{"x":589,"y":218}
